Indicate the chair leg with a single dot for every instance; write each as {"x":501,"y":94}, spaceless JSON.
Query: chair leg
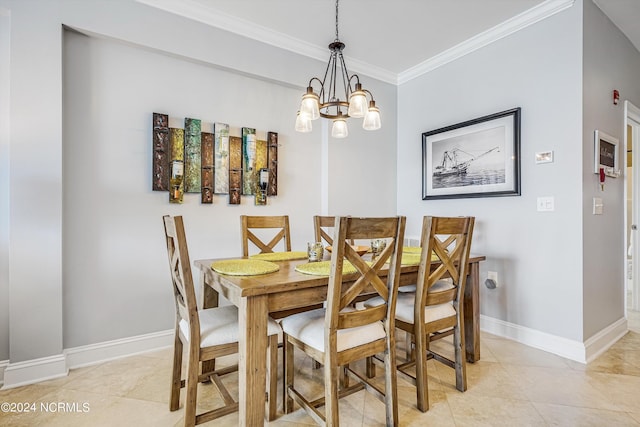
{"x":272,"y":378}
{"x":192,"y":390}
{"x":370,"y":367}
{"x":460,"y":358}
{"x":422,"y":391}
{"x":408,"y":346}
{"x":344,"y":377}
{"x":287,"y":381}
{"x":176,"y":375}
{"x":331,"y":379}
{"x":391,"y":383}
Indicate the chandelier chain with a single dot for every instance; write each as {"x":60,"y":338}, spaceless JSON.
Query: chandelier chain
{"x":337,"y":38}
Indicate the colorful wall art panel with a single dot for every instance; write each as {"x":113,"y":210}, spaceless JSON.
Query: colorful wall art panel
{"x":207,"y":168}
{"x":248,"y":160}
{"x":189,"y":160}
{"x":272,"y":141}
{"x":221,"y":151}
{"x":235,"y":170}
{"x":176,"y":180}
{"x":160,"y":179}
{"x":192,"y":159}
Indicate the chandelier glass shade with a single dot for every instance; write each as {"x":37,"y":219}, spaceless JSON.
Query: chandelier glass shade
{"x":340,"y":96}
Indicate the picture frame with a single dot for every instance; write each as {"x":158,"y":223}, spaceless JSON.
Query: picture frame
{"x":475,"y":158}
{"x":606,"y":154}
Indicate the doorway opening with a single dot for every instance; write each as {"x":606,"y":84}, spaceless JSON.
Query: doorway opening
{"x":632,"y":144}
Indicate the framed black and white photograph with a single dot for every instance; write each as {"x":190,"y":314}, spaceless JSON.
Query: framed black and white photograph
{"x":476,"y":158}
{"x":606,"y":154}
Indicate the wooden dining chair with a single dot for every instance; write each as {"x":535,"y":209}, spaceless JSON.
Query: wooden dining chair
{"x":249,"y":224}
{"x":435,"y":310}
{"x":338,"y":334}
{"x":207,"y":335}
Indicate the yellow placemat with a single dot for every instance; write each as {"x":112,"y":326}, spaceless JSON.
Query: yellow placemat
{"x":411,"y":250}
{"x":323,"y":268}
{"x":280,"y":256}
{"x":410,"y":258}
{"x":244,"y":267}
{"x":413,"y":258}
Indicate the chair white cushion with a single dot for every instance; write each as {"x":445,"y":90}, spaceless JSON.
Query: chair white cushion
{"x":404,"y":310}
{"x":405,"y":302}
{"x":219,"y":326}
{"x":308,"y":327}
{"x":440,"y":285}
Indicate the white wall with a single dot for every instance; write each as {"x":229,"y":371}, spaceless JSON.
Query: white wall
{"x":91,"y":241}
{"x":538,"y":256}
{"x":610,"y":62}
{"x":5,"y":34}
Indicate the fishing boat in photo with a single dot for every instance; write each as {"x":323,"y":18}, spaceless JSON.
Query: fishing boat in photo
{"x":453,"y":165}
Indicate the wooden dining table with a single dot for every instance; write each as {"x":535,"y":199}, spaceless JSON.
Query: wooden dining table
{"x":286,"y":290}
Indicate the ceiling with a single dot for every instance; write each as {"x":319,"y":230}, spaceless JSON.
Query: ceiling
{"x":389,"y":40}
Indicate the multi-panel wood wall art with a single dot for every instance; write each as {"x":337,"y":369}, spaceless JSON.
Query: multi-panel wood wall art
{"x":192,"y":161}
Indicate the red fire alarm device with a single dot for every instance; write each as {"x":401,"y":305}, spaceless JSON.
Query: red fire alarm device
{"x":616,"y":96}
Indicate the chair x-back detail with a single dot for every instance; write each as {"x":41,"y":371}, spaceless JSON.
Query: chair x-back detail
{"x":207,"y":334}
{"x":435,"y":310}
{"x":323,"y":226}
{"x":340,"y":334}
{"x":249,"y":224}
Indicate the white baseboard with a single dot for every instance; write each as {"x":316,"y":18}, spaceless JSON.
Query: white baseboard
{"x":600,"y":342}
{"x":33,"y":371}
{"x":37,"y":370}
{"x":3,"y":366}
{"x":93,"y":354}
{"x":563,"y":347}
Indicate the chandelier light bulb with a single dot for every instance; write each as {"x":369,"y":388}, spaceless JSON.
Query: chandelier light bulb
{"x":339,"y":129}
{"x":372,"y":119}
{"x":357,"y":102}
{"x":310,"y":104}
{"x":303,"y":123}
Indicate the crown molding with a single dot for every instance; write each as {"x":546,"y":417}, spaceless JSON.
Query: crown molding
{"x":210,"y":16}
{"x":196,"y":11}
{"x":510,"y":26}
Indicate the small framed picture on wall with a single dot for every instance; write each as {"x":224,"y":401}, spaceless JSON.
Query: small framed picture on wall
{"x":606,"y":154}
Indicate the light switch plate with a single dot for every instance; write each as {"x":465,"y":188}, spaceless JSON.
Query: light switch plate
{"x":546,"y":204}
{"x":598,"y":206}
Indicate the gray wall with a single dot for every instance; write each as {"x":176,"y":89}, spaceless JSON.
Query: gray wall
{"x":610,"y":62}
{"x":5,"y":29}
{"x":538,"y":255}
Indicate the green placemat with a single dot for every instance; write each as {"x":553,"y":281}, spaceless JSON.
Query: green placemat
{"x":280,"y":256}
{"x":244,"y":267}
{"x":323,"y":268}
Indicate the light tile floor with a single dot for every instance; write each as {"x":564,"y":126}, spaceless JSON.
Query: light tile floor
{"x":512,"y":385}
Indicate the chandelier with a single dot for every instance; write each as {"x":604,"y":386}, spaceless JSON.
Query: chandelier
{"x":327,"y":102}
